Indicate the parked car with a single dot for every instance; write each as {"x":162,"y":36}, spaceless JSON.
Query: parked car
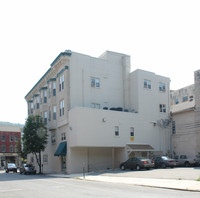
{"x":11,"y":167}
{"x":27,"y":169}
{"x":164,"y":161}
{"x":183,"y":160}
{"x":137,"y":163}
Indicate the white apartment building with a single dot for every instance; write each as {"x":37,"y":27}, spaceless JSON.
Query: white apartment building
{"x":185,"y":109}
{"x":98,"y":113}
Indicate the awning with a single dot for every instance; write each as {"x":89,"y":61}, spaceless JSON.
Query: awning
{"x":139,"y":147}
{"x":61,"y":150}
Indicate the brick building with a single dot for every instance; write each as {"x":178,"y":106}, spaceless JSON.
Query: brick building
{"x":9,"y":136}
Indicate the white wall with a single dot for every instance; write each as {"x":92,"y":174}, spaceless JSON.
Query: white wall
{"x":89,"y":129}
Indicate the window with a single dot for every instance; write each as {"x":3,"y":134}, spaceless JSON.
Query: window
{"x":63,"y":137}
{"x":45,"y":117}
{"x":162,"y":87}
{"x":95,"y":82}
{"x":54,"y":112}
{"x":132,"y":132}
{"x":162,"y":108}
{"x":147,"y":84}
{"x":31,"y":108}
{"x":116,"y":131}
{"x":49,"y":90}
{"x":41,"y":97}
{"x":62,"y":107}
{"x":38,"y":102}
{"x":11,"y":148}
{"x":49,"y":113}
{"x":53,"y":139}
{"x":11,"y":138}
{"x":16,"y":149}
{"x":45,"y":96}
{"x":45,"y":158}
{"x":185,"y":98}
{"x":95,"y":105}
{"x":173,"y":127}
{"x":61,"y":85}
{"x":3,"y":138}
{"x":191,"y":98}
{"x":3,"y":148}
{"x":16,"y":138}
{"x":54,"y":89}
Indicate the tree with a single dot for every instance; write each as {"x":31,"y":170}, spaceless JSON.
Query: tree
{"x":20,"y":152}
{"x":35,"y":137}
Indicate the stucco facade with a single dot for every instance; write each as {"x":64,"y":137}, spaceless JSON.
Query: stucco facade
{"x":185,"y":110}
{"x":104,"y":112}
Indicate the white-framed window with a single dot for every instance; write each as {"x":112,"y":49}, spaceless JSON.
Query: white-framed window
{"x":54,"y":112}
{"x":162,"y":108}
{"x":11,"y":148}
{"x":49,"y":90}
{"x":53,"y":139}
{"x":185,"y":98}
{"x":54,"y":88}
{"x":116,"y":131}
{"x":191,"y":98}
{"x":3,"y":148}
{"x":38,"y":102}
{"x":49,"y":113}
{"x":147,"y":84}
{"x":16,"y":138}
{"x":11,"y":138}
{"x":16,"y":149}
{"x":45,"y":96}
{"x":63,"y":136}
{"x":162,"y":87}
{"x":132,"y":131}
{"x":61,"y":80}
{"x":62,"y":107}
{"x":31,"y":108}
{"x":45,"y":117}
{"x":41,"y":97}
{"x":95,"y":82}
{"x":3,"y":138}
{"x":95,"y":106}
{"x":45,"y":158}
{"x":176,"y":101}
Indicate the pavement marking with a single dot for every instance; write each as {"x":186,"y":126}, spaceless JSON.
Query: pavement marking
{"x":9,"y":190}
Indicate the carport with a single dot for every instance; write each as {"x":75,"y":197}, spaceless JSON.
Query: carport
{"x":139,"y":150}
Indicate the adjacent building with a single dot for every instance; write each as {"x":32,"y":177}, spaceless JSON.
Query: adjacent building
{"x":9,"y":136}
{"x":185,"y":111}
{"x":98,"y":113}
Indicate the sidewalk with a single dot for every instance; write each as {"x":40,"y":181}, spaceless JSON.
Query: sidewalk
{"x":189,"y":185}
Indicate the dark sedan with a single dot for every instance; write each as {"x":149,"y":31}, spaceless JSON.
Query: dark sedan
{"x":163,"y":162}
{"x":137,"y":163}
{"x":11,"y":167}
{"x":27,"y":169}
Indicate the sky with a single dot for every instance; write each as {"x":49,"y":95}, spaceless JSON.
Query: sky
{"x":161,"y":36}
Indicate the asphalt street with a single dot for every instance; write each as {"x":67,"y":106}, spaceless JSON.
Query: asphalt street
{"x":14,"y":185}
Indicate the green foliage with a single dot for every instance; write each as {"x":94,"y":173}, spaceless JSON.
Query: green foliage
{"x":35,"y":137}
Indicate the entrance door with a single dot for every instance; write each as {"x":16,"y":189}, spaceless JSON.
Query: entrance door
{"x":63,"y":163}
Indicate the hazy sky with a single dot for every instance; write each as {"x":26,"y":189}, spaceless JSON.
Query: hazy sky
{"x":160,"y":36}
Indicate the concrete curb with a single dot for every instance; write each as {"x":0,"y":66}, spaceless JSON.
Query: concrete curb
{"x":186,"y":185}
